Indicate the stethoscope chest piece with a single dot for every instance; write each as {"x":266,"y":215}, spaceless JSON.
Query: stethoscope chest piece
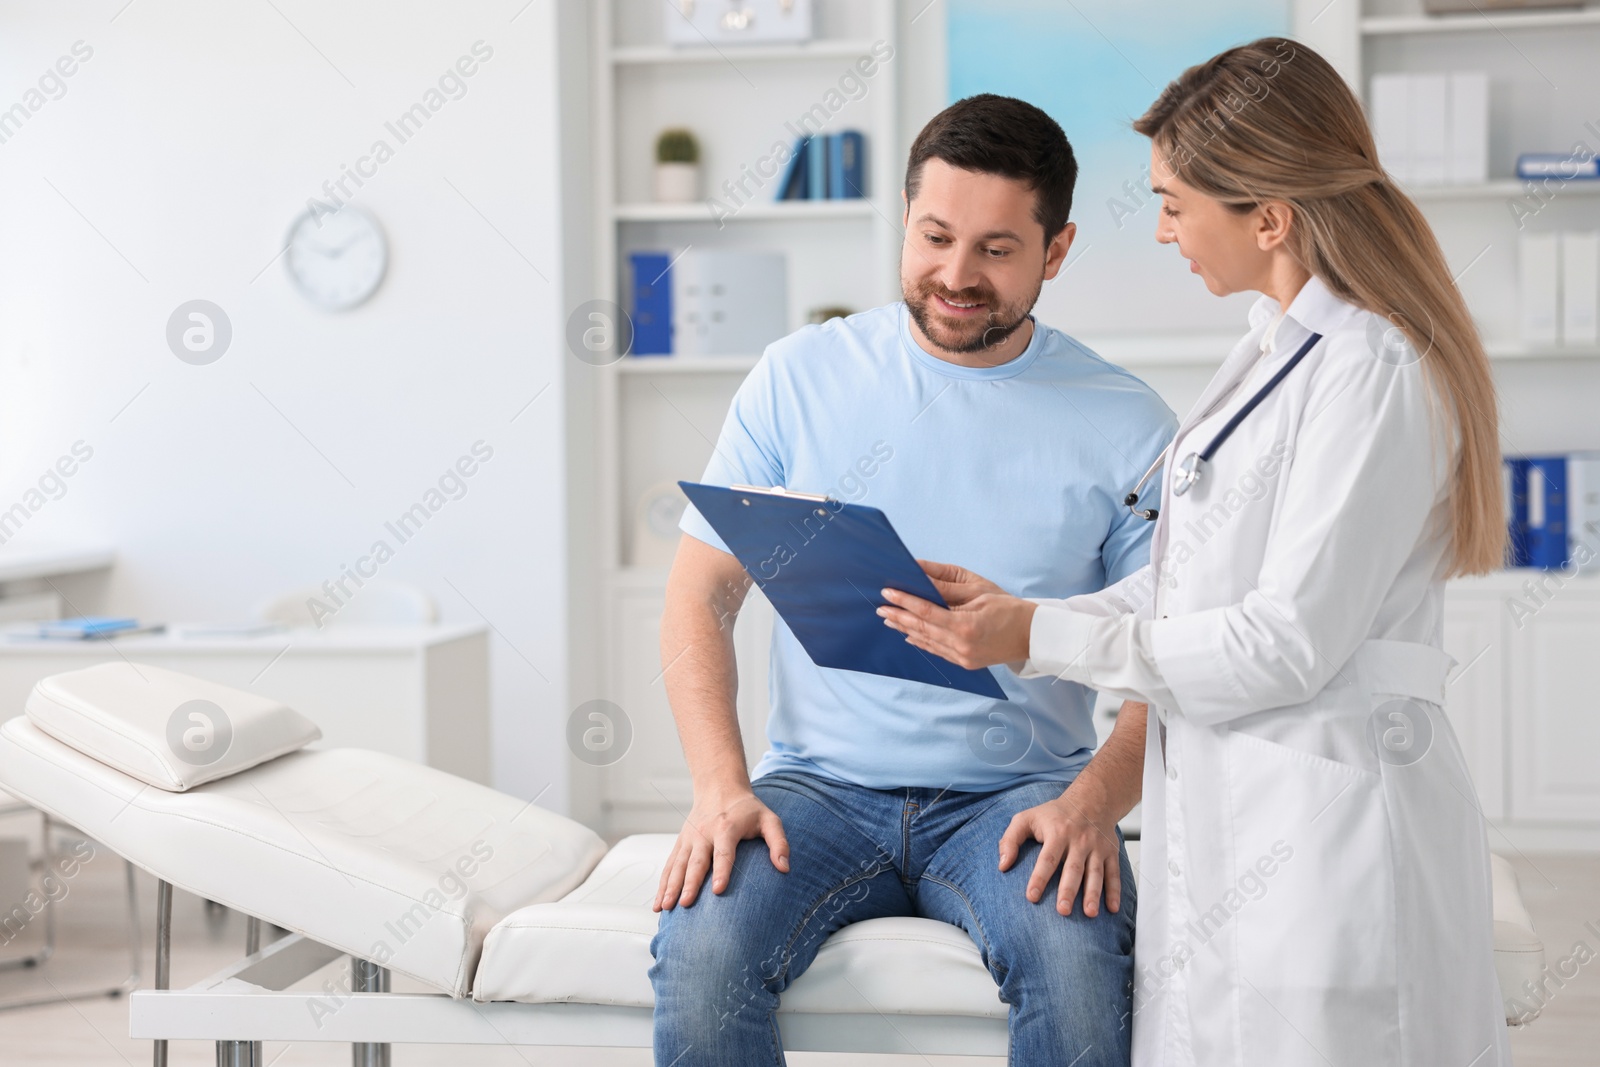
{"x":1194,"y":465}
{"x":1188,"y":472}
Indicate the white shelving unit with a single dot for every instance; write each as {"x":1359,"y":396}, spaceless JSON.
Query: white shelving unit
{"x":1523,"y":698}
{"x":658,"y":416}
{"x":1543,"y":84}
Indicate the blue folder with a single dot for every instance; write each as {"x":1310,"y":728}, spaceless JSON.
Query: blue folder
{"x":1547,"y":511}
{"x":821,"y":563}
{"x":651,"y":309}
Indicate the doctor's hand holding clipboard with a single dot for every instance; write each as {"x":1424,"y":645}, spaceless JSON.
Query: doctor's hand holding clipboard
{"x":982,"y":624}
{"x":1341,"y":465}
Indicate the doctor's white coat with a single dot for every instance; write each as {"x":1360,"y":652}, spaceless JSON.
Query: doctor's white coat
{"x":1314,"y":883}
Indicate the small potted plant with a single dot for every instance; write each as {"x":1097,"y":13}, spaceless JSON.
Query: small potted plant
{"x":677,"y":167}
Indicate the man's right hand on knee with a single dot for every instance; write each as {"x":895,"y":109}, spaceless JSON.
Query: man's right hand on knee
{"x":709,"y":840}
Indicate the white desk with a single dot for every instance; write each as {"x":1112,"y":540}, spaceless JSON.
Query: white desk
{"x":420,"y":692}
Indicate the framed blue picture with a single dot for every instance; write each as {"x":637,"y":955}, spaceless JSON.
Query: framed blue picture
{"x":1095,"y":66}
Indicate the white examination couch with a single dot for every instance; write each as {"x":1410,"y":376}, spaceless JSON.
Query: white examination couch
{"x":530,"y":931}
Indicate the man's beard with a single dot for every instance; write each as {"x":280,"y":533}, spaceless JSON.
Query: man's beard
{"x":999,"y":323}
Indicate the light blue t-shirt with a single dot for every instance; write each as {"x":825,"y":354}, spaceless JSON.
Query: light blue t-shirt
{"x":1016,"y":472}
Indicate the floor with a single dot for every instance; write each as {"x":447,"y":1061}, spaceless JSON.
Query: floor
{"x":1562,"y":892}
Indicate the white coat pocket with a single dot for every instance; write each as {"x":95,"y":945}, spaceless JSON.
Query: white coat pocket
{"x":1316,"y":949}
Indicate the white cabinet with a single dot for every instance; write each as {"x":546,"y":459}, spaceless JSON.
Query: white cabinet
{"x":1525,"y":702}
{"x":648,"y":789}
{"x":1554,"y":708}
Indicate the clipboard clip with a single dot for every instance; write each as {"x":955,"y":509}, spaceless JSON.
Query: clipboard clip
{"x":778,"y":490}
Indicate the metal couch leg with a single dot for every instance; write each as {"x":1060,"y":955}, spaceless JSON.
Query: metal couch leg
{"x":368,"y":977}
{"x":252,"y":945}
{"x":239,"y":1054}
{"x":163,"y":954}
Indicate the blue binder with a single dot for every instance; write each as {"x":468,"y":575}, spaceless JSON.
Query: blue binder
{"x":1516,"y":477}
{"x":821,"y":563}
{"x":796,"y":181}
{"x":817,"y":155}
{"x":1547,"y":511}
{"x":651,"y":304}
{"x":846,"y":166}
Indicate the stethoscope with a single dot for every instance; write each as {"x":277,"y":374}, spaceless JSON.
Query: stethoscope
{"x":1194,"y":464}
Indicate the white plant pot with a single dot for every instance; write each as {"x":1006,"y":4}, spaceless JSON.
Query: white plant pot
{"x":677,"y":183}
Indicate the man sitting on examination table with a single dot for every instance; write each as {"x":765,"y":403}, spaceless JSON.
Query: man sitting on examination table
{"x":986,"y":437}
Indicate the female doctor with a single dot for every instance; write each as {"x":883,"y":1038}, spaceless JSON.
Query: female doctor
{"x":1314,"y":885}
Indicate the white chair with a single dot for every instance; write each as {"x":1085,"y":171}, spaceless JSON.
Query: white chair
{"x":375,"y":602}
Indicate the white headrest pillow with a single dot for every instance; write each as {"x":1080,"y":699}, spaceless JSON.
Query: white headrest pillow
{"x":169,"y":730}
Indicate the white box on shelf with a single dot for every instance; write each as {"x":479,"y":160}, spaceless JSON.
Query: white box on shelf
{"x":1540,"y":280}
{"x":1390,"y":112}
{"x":742,"y":22}
{"x":728,"y":302}
{"x":1469,"y":128}
{"x":1428,"y":129}
{"x":1580,"y":288}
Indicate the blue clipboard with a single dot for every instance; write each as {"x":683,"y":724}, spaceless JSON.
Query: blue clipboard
{"x":821,"y":563}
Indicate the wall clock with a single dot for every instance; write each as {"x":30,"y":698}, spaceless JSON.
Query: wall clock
{"x":336,"y":259}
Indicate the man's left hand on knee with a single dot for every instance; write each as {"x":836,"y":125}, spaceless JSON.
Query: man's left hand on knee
{"x":1077,"y":835}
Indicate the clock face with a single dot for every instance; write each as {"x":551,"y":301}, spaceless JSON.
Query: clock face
{"x":336,"y":259}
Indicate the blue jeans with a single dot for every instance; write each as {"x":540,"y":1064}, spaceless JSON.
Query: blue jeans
{"x":855,"y":854}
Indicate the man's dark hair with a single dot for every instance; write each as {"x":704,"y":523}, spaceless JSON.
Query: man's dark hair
{"x":1005,"y":136}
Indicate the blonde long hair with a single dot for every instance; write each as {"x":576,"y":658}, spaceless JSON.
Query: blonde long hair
{"x":1272,"y":120}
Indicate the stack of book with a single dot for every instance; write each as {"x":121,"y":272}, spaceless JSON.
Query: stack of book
{"x":830,"y":166}
{"x":1553,"y":508}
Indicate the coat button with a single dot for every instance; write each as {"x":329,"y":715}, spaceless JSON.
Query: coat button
{"x":1172,"y":865}
{"x":1172,"y":773}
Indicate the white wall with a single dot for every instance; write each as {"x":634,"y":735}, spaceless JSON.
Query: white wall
{"x":170,"y":170}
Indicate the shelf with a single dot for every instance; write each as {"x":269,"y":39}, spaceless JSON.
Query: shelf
{"x":686,"y":364}
{"x":1384,"y":25}
{"x":1136,"y":352}
{"x":1511,"y":579}
{"x":1512,"y":187}
{"x":1129,"y":350}
{"x":1517,"y":350}
{"x":759,"y":210}
{"x":844,"y":48}
{"x":1198,"y":349}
